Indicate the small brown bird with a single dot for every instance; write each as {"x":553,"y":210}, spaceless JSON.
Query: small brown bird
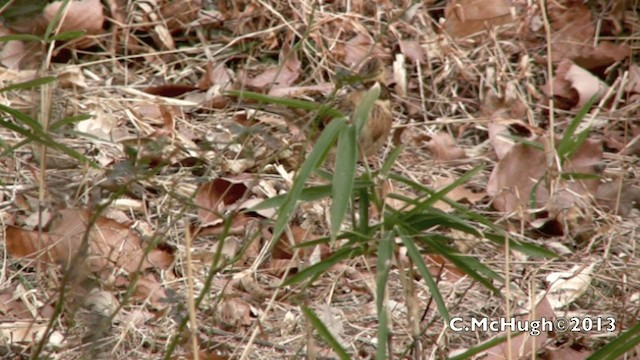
{"x":376,"y":130}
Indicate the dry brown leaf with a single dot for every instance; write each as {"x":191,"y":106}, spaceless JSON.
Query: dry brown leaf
{"x":441,"y":268}
{"x":574,"y":85}
{"x":179,"y":14}
{"x":110,"y":244}
{"x":214,"y":198}
{"x":20,"y":55}
{"x":457,"y":194}
{"x":515,"y":175}
{"x":444,"y":147}
{"x":217,"y":75}
{"x":629,"y":197}
{"x":359,"y":48}
{"x":466,"y":17}
{"x":633,"y":85}
{"x":170,"y":90}
{"x":412,"y":50}
{"x":84,"y":15}
{"x":148,"y":289}
{"x":573,"y":37}
{"x":523,"y":344}
{"x":234,"y":313}
{"x":278,"y":76}
{"x":602,"y":55}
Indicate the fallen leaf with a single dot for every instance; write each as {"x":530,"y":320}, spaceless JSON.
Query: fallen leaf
{"x":567,"y":286}
{"x":458,"y":194}
{"x":466,"y":17}
{"x":514,"y":177}
{"x":574,"y":85}
{"x":215,"y":197}
{"x":444,"y":148}
{"x":110,"y":244}
{"x":278,"y":76}
{"x":622,"y":194}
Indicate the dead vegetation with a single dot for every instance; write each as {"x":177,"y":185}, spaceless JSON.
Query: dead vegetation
{"x":166,"y":191}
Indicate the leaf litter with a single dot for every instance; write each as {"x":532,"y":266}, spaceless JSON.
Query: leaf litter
{"x":175,"y":147}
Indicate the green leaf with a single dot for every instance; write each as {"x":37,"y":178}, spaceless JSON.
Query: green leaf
{"x":525,"y":141}
{"x":70,"y":120}
{"x":622,"y":344}
{"x":391,"y":160}
{"x":569,"y":145}
{"x":20,"y":37}
{"x":579,"y":176}
{"x":325,"y":333}
{"x":312,"y":193}
{"x":24,"y":118}
{"x":313,"y":160}
{"x":320,"y":268}
{"x":29,"y":84}
{"x":416,"y":257}
{"x":484,"y":346}
{"x":45,"y":140}
{"x":53,"y":23}
{"x":343,"y":177}
{"x":68,"y":35}
{"x":467,"y":264}
{"x":290,"y":103}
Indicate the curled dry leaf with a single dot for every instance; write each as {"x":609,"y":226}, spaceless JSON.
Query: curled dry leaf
{"x":412,"y":50}
{"x":622,"y":194}
{"x":522,"y":344}
{"x":574,"y":86}
{"x":234,"y":313}
{"x":573,"y":37}
{"x":359,"y":48}
{"x":466,"y":17}
{"x":567,"y":286}
{"x":514,"y":177}
{"x":216,"y":197}
{"x":633,"y":85}
{"x":110,"y":244}
{"x":217,"y":75}
{"x":277,"y":76}
{"x":444,"y":148}
{"x":457,"y":194}
{"x":84,"y":15}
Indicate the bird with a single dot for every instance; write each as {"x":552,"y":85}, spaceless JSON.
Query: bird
{"x":375,"y":131}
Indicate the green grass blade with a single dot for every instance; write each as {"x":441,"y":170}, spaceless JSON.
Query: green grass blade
{"x":467,"y":264}
{"x":344,"y":177}
{"x":20,"y":37}
{"x":320,"y":268}
{"x":568,"y":144}
{"x":484,"y":346}
{"x":68,"y":35}
{"x":391,"y":160}
{"x":290,"y":103}
{"x":29,"y":84}
{"x":26,"y":119}
{"x":624,"y":343}
{"x":313,"y":160}
{"x":53,"y":23}
{"x":325,"y":333}
{"x":70,"y":120}
{"x":416,"y":257}
{"x":308,"y":194}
